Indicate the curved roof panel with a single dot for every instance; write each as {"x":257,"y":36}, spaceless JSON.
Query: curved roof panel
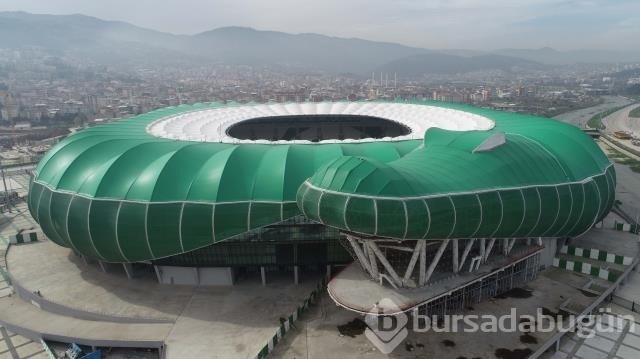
{"x":162,"y":183}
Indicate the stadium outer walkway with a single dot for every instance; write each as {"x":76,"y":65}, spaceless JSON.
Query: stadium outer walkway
{"x":215,"y":322}
{"x":12,"y":345}
{"x":28,"y":320}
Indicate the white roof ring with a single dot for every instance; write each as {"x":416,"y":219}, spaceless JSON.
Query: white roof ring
{"x":212,"y":124}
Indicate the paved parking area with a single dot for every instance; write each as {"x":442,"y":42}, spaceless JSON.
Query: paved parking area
{"x":328,"y":331}
{"x":616,"y":338}
{"x":13,"y":346}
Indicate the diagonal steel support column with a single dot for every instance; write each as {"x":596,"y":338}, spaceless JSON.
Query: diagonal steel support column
{"x":465,"y":253}
{"x":489,"y":248}
{"x":414,"y":259}
{"x":436,"y":260}
{"x":385,"y":263}
{"x":511,"y":244}
{"x":423,"y":265}
{"x":454,"y":255}
{"x":372,"y":259}
{"x":361,"y":257}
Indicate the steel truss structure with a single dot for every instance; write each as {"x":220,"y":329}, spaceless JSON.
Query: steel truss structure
{"x":509,"y":277}
{"x":419,"y":263}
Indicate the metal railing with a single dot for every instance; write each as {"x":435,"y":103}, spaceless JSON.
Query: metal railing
{"x":558,"y":336}
{"x":627,"y":304}
{"x":47,"y":349}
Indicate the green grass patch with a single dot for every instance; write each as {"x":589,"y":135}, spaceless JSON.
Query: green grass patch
{"x":596,"y":120}
{"x":634,"y":165}
{"x":635,"y":112}
{"x":623,"y":159}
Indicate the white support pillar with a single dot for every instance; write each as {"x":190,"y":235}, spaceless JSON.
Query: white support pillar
{"x":230,"y":273}
{"x":454,"y":255}
{"x":412,"y":262}
{"x":489,"y":248}
{"x":475,"y":263}
{"x":505,"y":246}
{"x":263,"y":276}
{"x":436,"y":259}
{"x":158,"y":274}
{"x":385,"y":263}
{"x":128,"y":269}
{"x":483,"y":247}
{"x":372,"y":260}
{"x":511,"y":244}
{"x":196,"y":275}
{"x":361,"y":257}
{"x":465,"y":253}
{"x":295,"y":275}
{"x":423,"y":265}
{"x":103,"y":266}
{"x":84,"y":258}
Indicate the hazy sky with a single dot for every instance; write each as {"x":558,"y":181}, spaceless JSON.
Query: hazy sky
{"x":470,"y":24}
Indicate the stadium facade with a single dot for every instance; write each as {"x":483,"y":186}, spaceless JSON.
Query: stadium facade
{"x":392,"y":185}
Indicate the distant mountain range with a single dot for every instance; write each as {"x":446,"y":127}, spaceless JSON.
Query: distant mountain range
{"x":441,"y":63}
{"x":123,"y":44}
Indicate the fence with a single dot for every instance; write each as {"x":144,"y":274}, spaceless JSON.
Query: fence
{"x":555,"y":339}
{"x":627,"y":304}
{"x":48,"y":350}
{"x":626,"y":227}
{"x":25,"y":237}
{"x":597,"y":254}
{"x":4,"y":246}
{"x":587,"y":268}
{"x":287,"y":323}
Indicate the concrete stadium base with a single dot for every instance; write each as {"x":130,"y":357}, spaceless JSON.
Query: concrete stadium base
{"x":317,"y":334}
{"x":205,"y":322}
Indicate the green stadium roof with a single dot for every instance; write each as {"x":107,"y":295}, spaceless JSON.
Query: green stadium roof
{"x":119,"y":193}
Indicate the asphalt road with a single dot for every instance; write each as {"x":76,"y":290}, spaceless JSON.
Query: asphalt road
{"x":628,"y":190}
{"x":628,"y":182}
{"x":620,"y":121}
{"x":580,"y":117}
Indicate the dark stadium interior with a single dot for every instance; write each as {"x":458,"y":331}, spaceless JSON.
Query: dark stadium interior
{"x":316,"y":128}
{"x":295,"y":241}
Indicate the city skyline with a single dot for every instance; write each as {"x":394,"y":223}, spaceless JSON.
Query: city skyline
{"x":560,"y":24}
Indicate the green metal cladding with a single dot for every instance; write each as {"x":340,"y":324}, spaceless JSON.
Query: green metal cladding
{"x":116,"y":193}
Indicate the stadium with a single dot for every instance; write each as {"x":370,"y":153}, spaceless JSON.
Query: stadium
{"x":437,"y":205}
